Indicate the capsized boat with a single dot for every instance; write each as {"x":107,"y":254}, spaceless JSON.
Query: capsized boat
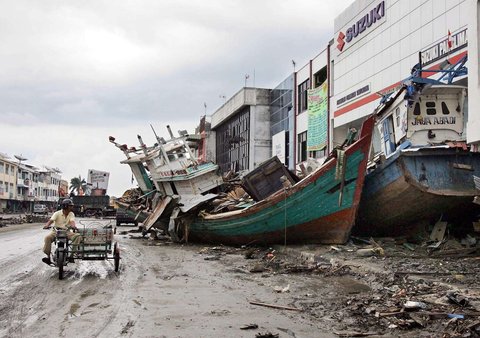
{"x":421,"y":168}
{"x":321,"y":208}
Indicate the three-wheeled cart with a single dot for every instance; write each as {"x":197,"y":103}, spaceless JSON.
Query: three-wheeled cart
{"x":96,"y":243}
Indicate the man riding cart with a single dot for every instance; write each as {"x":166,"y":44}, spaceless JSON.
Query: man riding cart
{"x":63,"y":219}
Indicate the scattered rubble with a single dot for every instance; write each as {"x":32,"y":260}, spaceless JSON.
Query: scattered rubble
{"x":412,"y":290}
{"x":21,"y":219}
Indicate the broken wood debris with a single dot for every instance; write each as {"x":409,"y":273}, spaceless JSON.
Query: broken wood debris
{"x":21,"y":219}
{"x":356,"y":334}
{"x":274,"y":306}
{"x":267,"y":335}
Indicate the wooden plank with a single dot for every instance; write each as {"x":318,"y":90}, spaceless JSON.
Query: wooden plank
{"x":160,"y":208}
{"x":463,"y":166}
{"x":275,"y":306}
{"x":438,"y":231}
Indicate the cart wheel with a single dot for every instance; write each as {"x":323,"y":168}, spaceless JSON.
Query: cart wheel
{"x":116,"y":256}
{"x":60,"y":263}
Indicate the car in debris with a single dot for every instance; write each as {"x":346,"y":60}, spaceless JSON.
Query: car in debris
{"x":40,"y":209}
{"x":124,"y":217}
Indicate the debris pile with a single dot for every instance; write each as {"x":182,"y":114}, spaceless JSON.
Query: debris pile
{"x":21,"y":219}
{"x":436,"y":293}
{"x":399,"y":288}
{"x":234,"y":199}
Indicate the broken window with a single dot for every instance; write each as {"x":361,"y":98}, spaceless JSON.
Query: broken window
{"x":303,"y":95}
{"x":232,"y":143}
{"x":302,"y":146}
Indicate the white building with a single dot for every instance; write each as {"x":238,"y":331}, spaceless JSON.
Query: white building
{"x":8,"y":184}
{"x":376,"y":44}
{"x":309,"y":79}
{"x":473,"y":125}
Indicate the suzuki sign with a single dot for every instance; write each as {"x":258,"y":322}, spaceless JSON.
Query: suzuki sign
{"x":374,"y":16}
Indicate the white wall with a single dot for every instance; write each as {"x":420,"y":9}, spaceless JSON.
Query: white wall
{"x":383,"y":54}
{"x":260,"y":138}
{"x":317,"y":63}
{"x":473,"y":124}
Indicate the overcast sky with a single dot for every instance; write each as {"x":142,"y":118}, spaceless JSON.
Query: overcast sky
{"x":74,"y":72}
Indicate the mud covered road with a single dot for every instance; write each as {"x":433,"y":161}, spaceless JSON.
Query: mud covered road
{"x":160,"y":291}
{"x":169,"y":290}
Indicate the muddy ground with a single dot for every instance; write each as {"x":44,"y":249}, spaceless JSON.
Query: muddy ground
{"x":170,"y":290}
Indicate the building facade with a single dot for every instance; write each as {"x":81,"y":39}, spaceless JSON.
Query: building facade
{"x":473,"y":124}
{"x":311,"y":120}
{"x":241,"y":128}
{"x":22,"y":185}
{"x":282,"y":122}
{"x":8,"y":184}
{"x":377,"y":43}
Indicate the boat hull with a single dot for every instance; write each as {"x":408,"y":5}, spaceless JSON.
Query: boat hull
{"x":318,"y":209}
{"x":412,"y":189}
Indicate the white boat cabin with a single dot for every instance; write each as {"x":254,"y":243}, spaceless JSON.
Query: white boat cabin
{"x":171,"y":166}
{"x":431,"y":117}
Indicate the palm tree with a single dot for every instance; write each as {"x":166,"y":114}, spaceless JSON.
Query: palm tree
{"x":77,"y":184}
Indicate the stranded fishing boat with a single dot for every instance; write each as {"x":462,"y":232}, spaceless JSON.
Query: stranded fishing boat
{"x":321,"y":208}
{"x":422,"y":169}
{"x":167,"y":173}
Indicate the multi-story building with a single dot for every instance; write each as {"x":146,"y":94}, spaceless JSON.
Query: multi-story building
{"x":282,"y":121}
{"x":48,"y":183}
{"x":311,"y":109}
{"x":22,"y":185}
{"x":241,"y":128}
{"x":377,"y":43}
{"x":25,"y":183}
{"x":473,"y":124}
{"x":8,"y":184}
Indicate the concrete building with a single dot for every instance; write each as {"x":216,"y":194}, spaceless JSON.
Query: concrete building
{"x":8,"y":184}
{"x":376,"y":44}
{"x":311,"y":110}
{"x":47,"y":186}
{"x":241,"y":129}
{"x":22,"y":185}
{"x":282,"y":121}
{"x":25,"y":184}
{"x":473,"y":125}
